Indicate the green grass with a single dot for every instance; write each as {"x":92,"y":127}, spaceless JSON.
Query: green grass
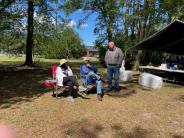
{"x":21,"y":59}
{"x":136,"y":112}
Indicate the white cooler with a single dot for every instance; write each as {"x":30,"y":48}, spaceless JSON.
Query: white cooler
{"x":150,"y":80}
{"x":125,"y":75}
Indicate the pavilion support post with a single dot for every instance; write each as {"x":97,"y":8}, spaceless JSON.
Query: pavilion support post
{"x":137,"y":60}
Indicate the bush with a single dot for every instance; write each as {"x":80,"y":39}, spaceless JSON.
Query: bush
{"x":151,"y":57}
{"x":64,"y":45}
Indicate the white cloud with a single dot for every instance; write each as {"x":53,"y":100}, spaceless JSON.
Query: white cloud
{"x":38,"y":18}
{"x":72,"y":24}
{"x":80,"y":11}
{"x":84,"y":25}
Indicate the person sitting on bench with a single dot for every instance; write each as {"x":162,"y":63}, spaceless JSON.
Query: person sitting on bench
{"x":65,"y":77}
{"x":89,"y":71}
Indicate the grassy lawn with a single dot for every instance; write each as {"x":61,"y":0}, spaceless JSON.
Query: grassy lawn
{"x":136,"y":112}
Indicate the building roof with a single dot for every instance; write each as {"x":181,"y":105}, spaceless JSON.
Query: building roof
{"x":92,"y":48}
{"x":170,"y":40}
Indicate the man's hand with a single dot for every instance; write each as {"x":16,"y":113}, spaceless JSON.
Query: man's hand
{"x":88,"y":65}
{"x":118,"y":65}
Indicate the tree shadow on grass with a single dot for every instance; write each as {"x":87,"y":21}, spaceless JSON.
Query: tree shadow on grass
{"x":87,"y":128}
{"x":178,"y":136}
{"x":172,"y":85}
{"x":122,"y":94}
{"x":24,"y":85}
{"x":82,"y":129}
{"x":64,"y":93}
{"x":180,"y":98}
{"x":129,"y":89}
{"x":136,"y":132}
{"x":17,"y":87}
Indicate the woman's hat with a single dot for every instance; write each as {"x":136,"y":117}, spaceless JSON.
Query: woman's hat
{"x":86,"y":58}
{"x":63,"y":61}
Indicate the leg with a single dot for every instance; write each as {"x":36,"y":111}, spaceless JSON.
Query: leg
{"x":68,"y":81}
{"x":116,"y":78}
{"x":91,"y":76}
{"x":74,"y":80}
{"x":99,"y":87}
{"x":94,"y":78}
{"x":70,"y":90}
{"x":109,"y":76}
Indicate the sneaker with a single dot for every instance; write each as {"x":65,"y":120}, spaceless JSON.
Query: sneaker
{"x":71,"y":99}
{"x":104,"y":80}
{"x":108,"y":90}
{"x":99,"y":97}
{"x":116,"y":92}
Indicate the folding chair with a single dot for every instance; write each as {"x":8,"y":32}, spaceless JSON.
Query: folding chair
{"x":54,"y":82}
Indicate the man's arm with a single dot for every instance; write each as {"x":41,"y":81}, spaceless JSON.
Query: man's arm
{"x":84,"y":70}
{"x":106,"y":58}
{"x":70,"y":71}
{"x":59,"y":75}
{"x":121,"y":56}
{"x":92,"y":67}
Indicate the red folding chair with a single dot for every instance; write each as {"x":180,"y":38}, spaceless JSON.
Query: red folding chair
{"x":54,"y":82}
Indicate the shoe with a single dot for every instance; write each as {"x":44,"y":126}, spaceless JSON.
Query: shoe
{"x":108,"y":90}
{"x":99,"y":97}
{"x":116,"y":92}
{"x":71,"y":99}
{"x":76,"y":87}
{"x":104,"y":81}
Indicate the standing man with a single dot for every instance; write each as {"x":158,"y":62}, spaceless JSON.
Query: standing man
{"x":113,"y":60}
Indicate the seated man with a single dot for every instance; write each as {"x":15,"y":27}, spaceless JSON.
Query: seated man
{"x":89,"y":70}
{"x":65,"y":76}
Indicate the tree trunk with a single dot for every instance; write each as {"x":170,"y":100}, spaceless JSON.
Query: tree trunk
{"x":126,"y":19}
{"x":109,"y":32}
{"x":133,"y":21}
{"x":137,"y":61}
{"x":29,"y":42}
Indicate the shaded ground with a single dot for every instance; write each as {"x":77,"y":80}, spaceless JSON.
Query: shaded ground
{"x":136,"y":112}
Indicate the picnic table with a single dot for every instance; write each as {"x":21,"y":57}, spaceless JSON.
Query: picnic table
{"x":166,"y":74}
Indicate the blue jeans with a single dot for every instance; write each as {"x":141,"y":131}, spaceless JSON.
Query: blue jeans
{"x":92,"y":77}
{"x":113,"y":70}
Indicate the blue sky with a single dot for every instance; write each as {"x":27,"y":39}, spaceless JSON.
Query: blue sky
{"x":86,"y":30}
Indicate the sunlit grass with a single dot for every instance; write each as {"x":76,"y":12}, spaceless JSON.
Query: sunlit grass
{"x":37,"y":60}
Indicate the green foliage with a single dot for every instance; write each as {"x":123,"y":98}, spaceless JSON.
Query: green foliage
{"x":13,"y":43}
{"x":126,"y":22}
{"x":66,"y":44}
{"x":150,"y":57}
{"x":119,"y":40}
{"x":101,"y":50}
{"x":108,"y":14}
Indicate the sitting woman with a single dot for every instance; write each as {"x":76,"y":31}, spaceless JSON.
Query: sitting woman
{"x":65,"y":77}
{"x":89,"y":71}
